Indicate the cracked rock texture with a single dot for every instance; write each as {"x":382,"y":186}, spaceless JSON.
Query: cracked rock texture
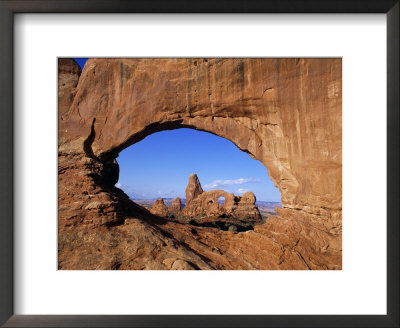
{"x":286,"y":113}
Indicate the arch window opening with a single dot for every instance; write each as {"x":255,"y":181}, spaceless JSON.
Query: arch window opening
{"x":197,"y":178}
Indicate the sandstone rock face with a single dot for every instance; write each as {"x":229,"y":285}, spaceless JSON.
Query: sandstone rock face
{"x":159,"y":208}
{"x":181,"y":265}
{"x":176,"y":205}
{"x":134,"y":245}
{"x":206,"y":203}
{"x":193,"y":188}
{"x":248,"y":198}
{"x":68,"y":78}
{"x":246,"y":207}
{"x":284,"y":112}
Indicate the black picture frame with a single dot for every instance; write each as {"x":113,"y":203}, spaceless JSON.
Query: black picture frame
{"x":7,"y":11}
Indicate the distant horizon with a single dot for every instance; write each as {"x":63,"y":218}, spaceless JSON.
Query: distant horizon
{"x":184,"y":199}
{"x":159,"y":166}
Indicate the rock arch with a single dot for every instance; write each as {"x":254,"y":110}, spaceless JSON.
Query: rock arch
{"x":271,"y":108}
{"x":199,"y":202}
{"x":284,"y":112}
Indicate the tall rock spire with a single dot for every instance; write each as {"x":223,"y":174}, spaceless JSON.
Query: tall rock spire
{"x":193,"y":188}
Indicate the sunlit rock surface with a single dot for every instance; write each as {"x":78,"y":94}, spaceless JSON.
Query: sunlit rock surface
{"x":206,"y":203}
{"x":284,"y":112}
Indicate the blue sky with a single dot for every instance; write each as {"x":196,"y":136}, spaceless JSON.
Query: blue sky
{"x":160,"y":165}
{"x":81,"y":61}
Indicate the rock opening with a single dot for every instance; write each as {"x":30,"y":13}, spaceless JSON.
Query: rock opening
{"x":284,"y":112}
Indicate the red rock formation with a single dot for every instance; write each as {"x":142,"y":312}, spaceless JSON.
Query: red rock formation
{"x":193,"y":189}
{"x":284,"y":112}
{"x":206,"y":203}
{"x":68,"y":78}
{"x":176,"y":205}
{"x":247,"y":208}
{"x":159,"y":208}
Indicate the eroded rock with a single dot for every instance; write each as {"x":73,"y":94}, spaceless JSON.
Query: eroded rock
{"x":205,"y":203}
{"x":176,"y":205}
{"x":159,"y":208}
{"x":284,"y":112}
{"x":193,"y":188}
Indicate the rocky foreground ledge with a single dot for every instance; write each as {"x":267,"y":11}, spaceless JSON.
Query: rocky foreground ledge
{"x":284,"y":112}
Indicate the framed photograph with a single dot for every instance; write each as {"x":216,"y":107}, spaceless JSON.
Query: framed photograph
{"x":218,"y":164}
